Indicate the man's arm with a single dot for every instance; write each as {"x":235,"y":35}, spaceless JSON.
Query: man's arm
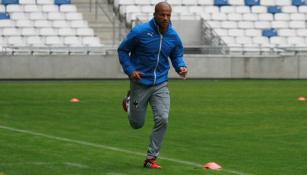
{"x":178,"y":60}
{"x":124,"y":50}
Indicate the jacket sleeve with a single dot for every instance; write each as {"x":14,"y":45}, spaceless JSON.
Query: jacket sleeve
{"x":176,"y":56}
{"x":124,"y":51}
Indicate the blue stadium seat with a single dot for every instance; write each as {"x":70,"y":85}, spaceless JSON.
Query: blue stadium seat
{"x":4,"y":15}
{"x":252,"y":2}
{"x":269,"y":32}
{"x":60,"y":2}
{"x":221,"y":2}
{"x":298,"y":2}
{"x":274,"y":9}
{"x":6,"y":2}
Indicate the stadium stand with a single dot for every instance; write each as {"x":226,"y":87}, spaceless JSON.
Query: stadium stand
{"x":243,"y":26}
{"x":45,"y":24}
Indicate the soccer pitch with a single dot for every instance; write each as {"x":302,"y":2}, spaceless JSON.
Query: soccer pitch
{"x":250,"y":127}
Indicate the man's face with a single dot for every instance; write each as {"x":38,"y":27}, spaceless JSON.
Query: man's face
{"x":163,"y":16}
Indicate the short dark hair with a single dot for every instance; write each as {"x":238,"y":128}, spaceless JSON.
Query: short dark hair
{"x":158,"y":5}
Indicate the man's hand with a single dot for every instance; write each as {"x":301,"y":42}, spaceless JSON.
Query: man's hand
{"x":183,"y":72}
{"x":136,"y":75}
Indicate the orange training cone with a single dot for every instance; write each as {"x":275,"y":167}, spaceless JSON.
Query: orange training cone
{"x":301,"y":98}
{"x":212,"y":166}
{"x":74,"y":100}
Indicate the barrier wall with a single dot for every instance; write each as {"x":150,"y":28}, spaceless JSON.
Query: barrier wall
{"x":108,"y":67}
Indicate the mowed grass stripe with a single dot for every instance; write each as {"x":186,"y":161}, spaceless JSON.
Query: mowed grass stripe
{"x":111,"y":148}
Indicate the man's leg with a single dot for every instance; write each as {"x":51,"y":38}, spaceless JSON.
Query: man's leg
{"x":139,"y":96}
{"x":160,"y":103}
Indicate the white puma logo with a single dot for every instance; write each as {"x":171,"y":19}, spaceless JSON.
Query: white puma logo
{"x":150,"y":34}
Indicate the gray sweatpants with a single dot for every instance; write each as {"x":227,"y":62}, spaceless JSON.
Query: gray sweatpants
{"x":159,"y":99}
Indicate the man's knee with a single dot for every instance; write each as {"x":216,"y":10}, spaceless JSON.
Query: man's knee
{"x":136,"y":125}
{"x":163,"y":120}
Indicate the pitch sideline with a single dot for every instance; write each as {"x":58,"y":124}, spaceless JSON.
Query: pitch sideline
{"x":112,"y":148}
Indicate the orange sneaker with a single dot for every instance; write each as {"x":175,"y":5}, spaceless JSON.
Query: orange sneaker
{"x":151,"y":163}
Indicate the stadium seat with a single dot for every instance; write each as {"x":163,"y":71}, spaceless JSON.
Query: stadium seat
{"x":19,"y":16}
{"x":252,"y":2}
{"x":289,"y":9}
{"x":297,"y":17}
{"x":242,"y":9}
{"x":42,"y":23}
{"x":301,"y":32}
{"x":48,"y":31}
{"x":287,"y":32}
{"x":41,"y":2}
{"x":32,"y":8}
{"x":50,"y":8}
{"x":298,"y":2}
{"x":265,"y":17}
{"x":258,"y":9}
{"x":24,"y":23}
{"x":11,"y":31}
{"x":262,"y":24}
{"x":282,"y":17}
{"x":205,"y":2}
{"x":229,"y":24}
{"x":297,"y":24}
{"x":250,"y":17}
{"x":66,"y":31}
{"x":283,"y":2}
{"x":236,"y":32}
{"x":261,"y":40}
{"x":79,"y":24}
{"x":37,"y":16}
{"x":236,"y":2}
{"x":267,"y":2}
{"x":269,"y":32}
{"x":221,"y":2}
{"x":60,"y":23}
{"x":54,"y":41}
{"x":2,"y":8}
{"x":274,"y":9}
{"x":227,"y":9}
{"x":73,"y":16}
{"x":55,"y":16}
{"x":211,"y":9}
{"x":91,"y":41}
{"x":7,"y":23}
{"x":29,"y":31}
{"x":252,"y":32}
{"x":189,"y":2}
{"x":280,"y":24}
{"x":302,"y":9}
{"x":14,"y":8}
{"x":61,"y":2}
{"x":85,"y":32}
{"x":6,"y":2}
{"x":234,"y":17}
{"x":16,"y":41}
{"x":72,"y":41}
{"x":35,"y":41}
{"x":175,"y":2}
{"x":68,"y":8}
{"x":4,"y":15}
{"x":27,"y":1}
{"x":246,"y":25}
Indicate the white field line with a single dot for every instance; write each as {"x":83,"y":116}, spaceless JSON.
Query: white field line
{"x":70,"y":164}
{"x":80,"y":142}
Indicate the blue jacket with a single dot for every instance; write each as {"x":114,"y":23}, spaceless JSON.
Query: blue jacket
{"x":146,"y":50}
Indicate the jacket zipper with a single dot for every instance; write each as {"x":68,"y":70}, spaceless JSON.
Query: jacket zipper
{"x":158,"y":59}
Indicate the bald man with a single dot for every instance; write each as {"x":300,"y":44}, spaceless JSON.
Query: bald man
{"x":144,"y":55}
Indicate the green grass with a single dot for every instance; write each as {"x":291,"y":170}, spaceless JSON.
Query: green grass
{"x":254,"y":127}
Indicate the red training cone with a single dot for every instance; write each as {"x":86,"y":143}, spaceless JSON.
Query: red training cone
{"x":74,"y":100}
{"x":212,"y":166}
{"x":301,"y":98}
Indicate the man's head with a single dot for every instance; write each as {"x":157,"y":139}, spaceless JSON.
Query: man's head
{"x":162,"y":15}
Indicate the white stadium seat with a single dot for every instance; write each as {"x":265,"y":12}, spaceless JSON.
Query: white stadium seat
{"x":243,"y":40}
{"x":60,"y":23}
{"x":286,"y":32}
{"x":85,"y":32}
{"x":16,"y":41}
{"x":211,"y":9}
{"x":143,"y":2}
{"x":246,"y":24}
{"x":48,"y":31}
{"x":221,"y":32}
{"x":302,"y":9}
{"x":72,"y":41}
{"x":227,"y":9}
{"x":11,"y":31}
{"x":252,"y":32}
{"x":55,"y":16}
{"x":7,"y":23}
{"x":234,"y":17}
{"x":301,"y":32}
{"x":242,"y":9}
{"x":27,"y":1}
{"x":219,"y":17}
{"x":236,"y":32}
{"x":73,"y":16}
{"x":261,"y":40}
{"x":91,"y":41}
{"x":24,"y":23}
{"x":282,"y":17}
{"x":79,"y":24}
{"x":280,"y":24}
{"x":68,"y":8}
{"x":66,"y":32}
{"x":14,"y":8}
{"x":267,"y":2}
{"x":289,"y":9}
{"x":298,"y":41}
{"x":50,"y":8}
{"x":297,"y":17}
{"x":236,"y":2}
{"x":174,"y":2}
{"x":262,"y":24}
{"x":283,"y":2}
{"x":54,"y":41}
{"x":42,"y":23}
{"x":2,"y":8}
{"x":205,"y":2}
{"x":35,"y":41}
{"x":29,"y":31}
{"x":45,"y":1}
{"x":265,"y":17}
{"x":189,"y":2}
{"x":32,"y":8}
{"x":18,"y":15}
{"x":250,"y":17}
{"x":229,"y":24}
{"x":37,"y":16}
{"x":258,"y":9}
{"x":297,"y":24}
